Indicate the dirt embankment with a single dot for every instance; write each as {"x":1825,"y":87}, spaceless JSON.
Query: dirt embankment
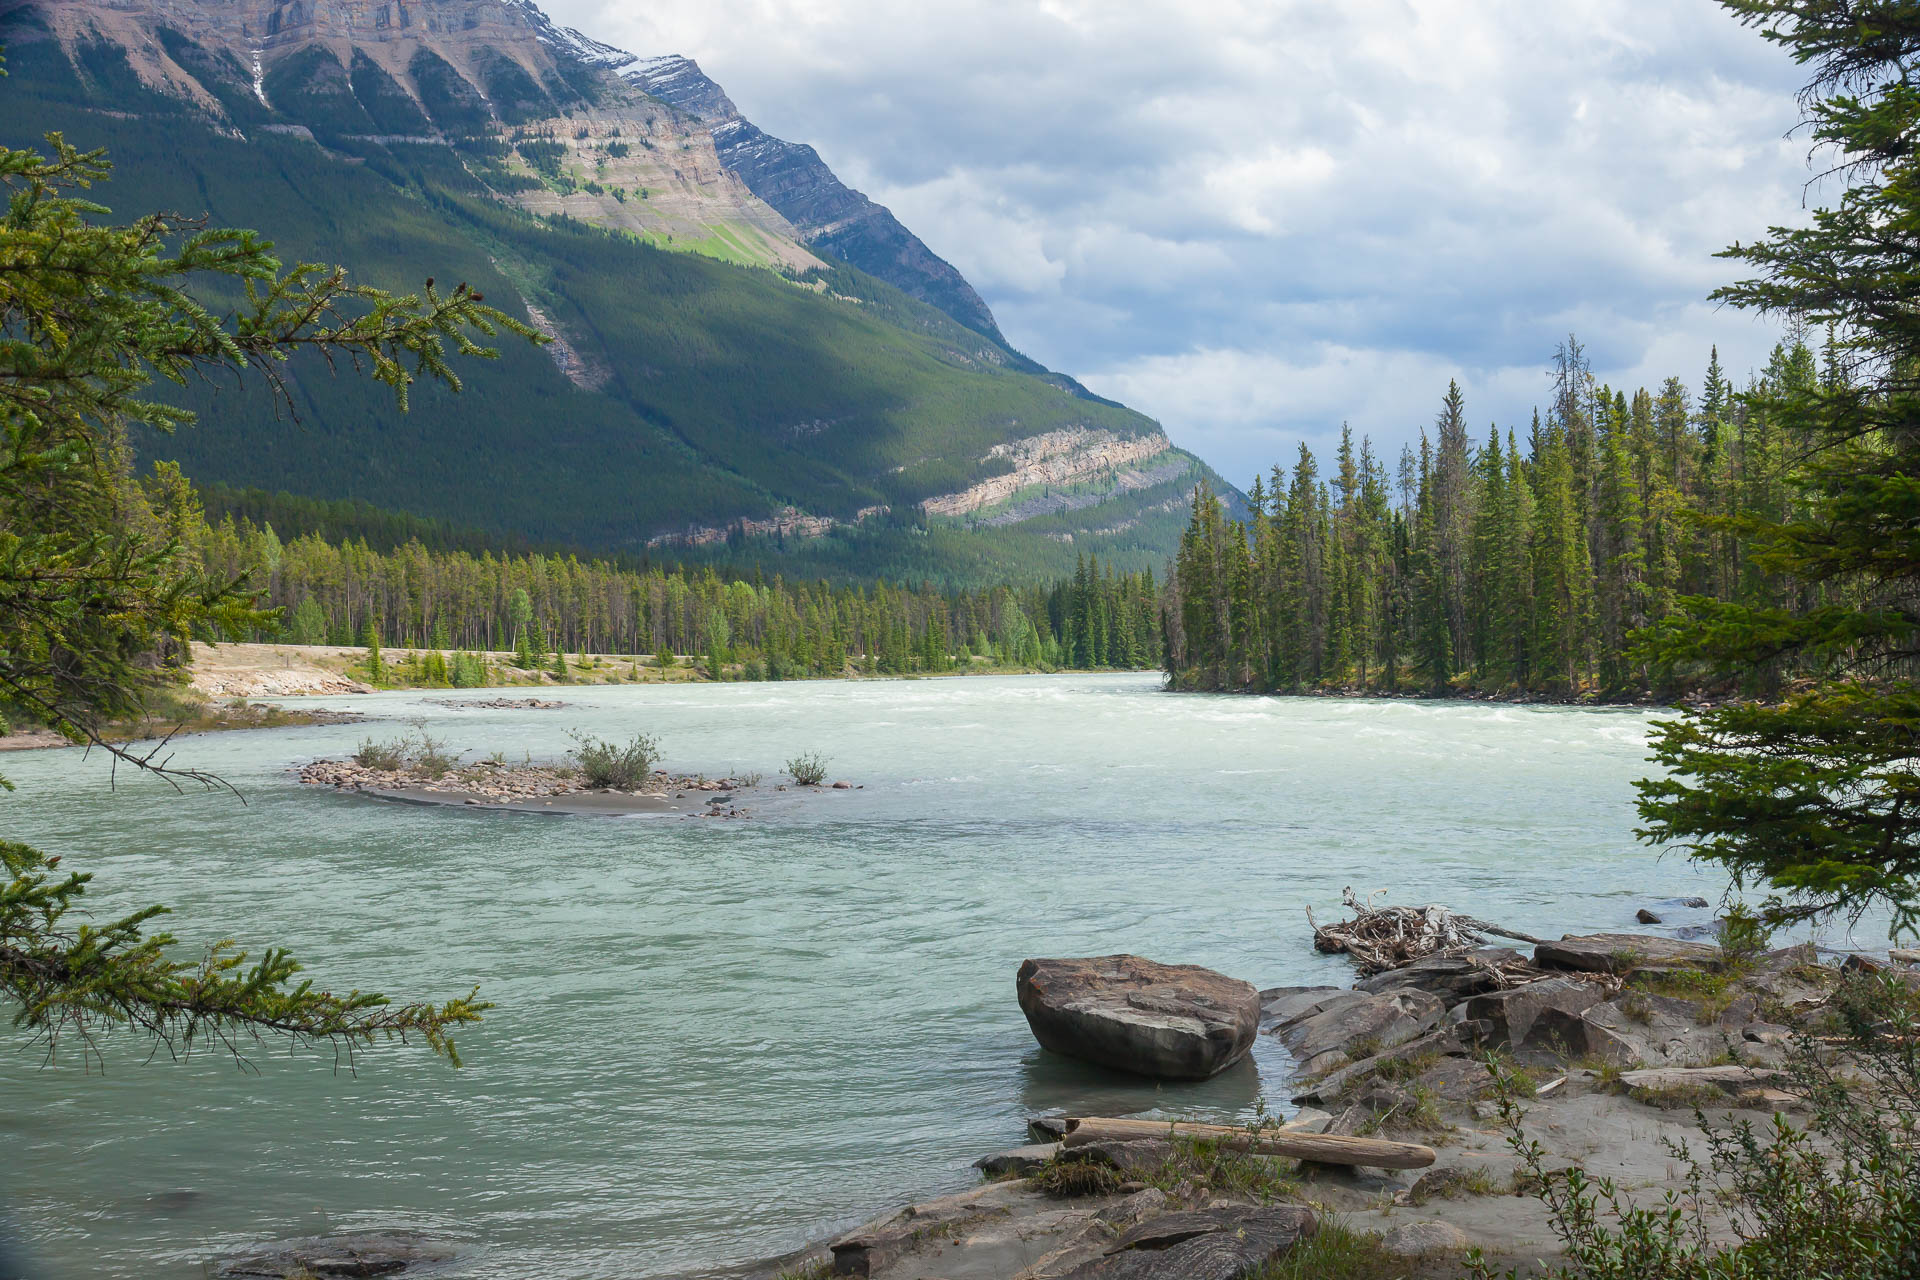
{"x":273,"y":670}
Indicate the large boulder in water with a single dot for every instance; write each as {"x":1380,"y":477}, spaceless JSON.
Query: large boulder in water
{"x":1168,"y":1021}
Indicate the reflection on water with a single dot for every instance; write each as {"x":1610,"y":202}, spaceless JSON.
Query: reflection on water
{"x":836,"y":972}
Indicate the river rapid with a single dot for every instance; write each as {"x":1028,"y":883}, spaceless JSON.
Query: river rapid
{"x":717,"y":1040}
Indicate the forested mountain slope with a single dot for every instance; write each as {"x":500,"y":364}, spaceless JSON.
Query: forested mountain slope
{"x":753,"y":391}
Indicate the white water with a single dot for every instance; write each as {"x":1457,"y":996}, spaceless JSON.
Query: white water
{"x":837,"y":971}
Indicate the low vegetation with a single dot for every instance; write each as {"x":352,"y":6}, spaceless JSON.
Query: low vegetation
{"x":808,"y":769}
{"x":1335,"y":1251}
{"x":607,"y":764}
{"x":1838,"y":1198}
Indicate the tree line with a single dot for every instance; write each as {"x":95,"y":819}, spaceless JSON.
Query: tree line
{"x":1508,"y":566}
{"x":347,"y":592}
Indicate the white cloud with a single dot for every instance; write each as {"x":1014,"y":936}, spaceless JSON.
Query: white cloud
{"x":1255,"y":218}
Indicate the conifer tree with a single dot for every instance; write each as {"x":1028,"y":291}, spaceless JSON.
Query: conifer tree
{"x":96,"y":583}
{"x":1815,"y":794}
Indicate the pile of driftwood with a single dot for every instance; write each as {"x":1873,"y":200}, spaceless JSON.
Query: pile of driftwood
{"x":1383,"y":938}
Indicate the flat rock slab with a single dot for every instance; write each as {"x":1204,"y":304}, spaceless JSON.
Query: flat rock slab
{"x":1540,"y":1015}
{"x":1625,"y":953}
{"x":1168,"y":1022}
{"x":1281,"y":1005}
{"x":1017,"y":1160}
{"x":1212,"y":1244}
{"x":1333,"y":1086}
{"x":369,"y":1253}
{"x":1417,"y":1239}
{"x":1128,"y":1155}
{"x":1641,"y":1030}
{"x":1732,"y":1079}
{"x":1359,"y":1025}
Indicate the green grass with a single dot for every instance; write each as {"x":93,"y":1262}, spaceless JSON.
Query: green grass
{"x":1713,"y":992}
{"x":1336,"y":1252}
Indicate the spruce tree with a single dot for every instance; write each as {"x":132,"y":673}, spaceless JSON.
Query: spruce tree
{"x":1814,"y":794}
{"x":98,"y":594}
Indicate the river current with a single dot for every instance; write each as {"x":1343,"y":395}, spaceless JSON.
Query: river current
{"x":717,"y":1040}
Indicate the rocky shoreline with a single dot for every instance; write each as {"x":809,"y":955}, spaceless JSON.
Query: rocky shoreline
{"x":1598,"y":1047}
{"x":1430,"y":1097}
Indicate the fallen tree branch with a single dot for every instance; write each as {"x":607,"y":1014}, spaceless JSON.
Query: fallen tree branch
{"x":1383,"y":938}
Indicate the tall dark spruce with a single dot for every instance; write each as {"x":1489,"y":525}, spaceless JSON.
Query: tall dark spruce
{"x":1762,"y":541}
{"x":1818,"y":793}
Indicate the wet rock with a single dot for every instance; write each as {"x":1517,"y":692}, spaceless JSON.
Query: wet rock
{"x":370,"y":1253}
{"x":1695,"y":903}
{"x":1017,"y":1160}
{"x":1645,"y":916}
{"x":1555,"y":1004}
{"x":1173,"y":1022}
{"x":1418,"y":1239}
{"x":1210,"y":1244}
{"x":1453,"y":976}
{"x":1625,"y":953}
{"x":1359,"y":1026}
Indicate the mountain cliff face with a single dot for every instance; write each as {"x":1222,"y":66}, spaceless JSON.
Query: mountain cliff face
{"x":830,"y":216}
{"x":537,"y":112}
{"x":859,"y":419}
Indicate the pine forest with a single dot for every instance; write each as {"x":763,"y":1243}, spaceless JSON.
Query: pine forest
{"x":1506,"y":563}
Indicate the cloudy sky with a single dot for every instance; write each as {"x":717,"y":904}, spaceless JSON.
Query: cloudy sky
{"x":1254,"y":219}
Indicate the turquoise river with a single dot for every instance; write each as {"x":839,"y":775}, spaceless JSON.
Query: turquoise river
{"x":715,"y":1041}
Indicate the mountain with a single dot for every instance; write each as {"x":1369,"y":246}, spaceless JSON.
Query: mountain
{"x":829,"y":215}
{"x":722,"y":381}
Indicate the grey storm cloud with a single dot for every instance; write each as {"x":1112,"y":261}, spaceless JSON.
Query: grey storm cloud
{"x":1256,"y":220}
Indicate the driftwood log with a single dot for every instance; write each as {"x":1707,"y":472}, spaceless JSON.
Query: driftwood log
{"x":1383,"y":938}
{"x":1326,"y":1148}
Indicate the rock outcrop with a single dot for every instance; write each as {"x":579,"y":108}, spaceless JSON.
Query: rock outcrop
{"x":1625,"y":952}
{"x":1170,"y":1022}
{"x":1072,"y":456}
{"x":830,"y":216}
{"x":1327,"y":1036}
{"x":1211,"y":1244}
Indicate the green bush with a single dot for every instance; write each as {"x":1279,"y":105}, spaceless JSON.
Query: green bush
{"x":808,"y":769}
{"x":430,"y":757}
{"x":1839,"y":1199}
{"x":381,"y":755}
{"x":1743,"y":936}
{"x":606,"y":764}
